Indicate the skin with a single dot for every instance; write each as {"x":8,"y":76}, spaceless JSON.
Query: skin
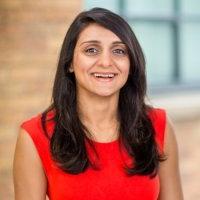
{"x":97,"y":50}
{"x":169,"y":173}
{"x":29,"y":177}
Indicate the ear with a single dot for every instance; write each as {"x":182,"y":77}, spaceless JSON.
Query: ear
{"x":71,"y":69}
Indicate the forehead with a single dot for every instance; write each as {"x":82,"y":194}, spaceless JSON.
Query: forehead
{"x":97,"y":32}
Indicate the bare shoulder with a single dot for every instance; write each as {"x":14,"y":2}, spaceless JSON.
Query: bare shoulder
{"x":170,"y":141}
{"x":28,"y":174}
{"x":169,"y":172}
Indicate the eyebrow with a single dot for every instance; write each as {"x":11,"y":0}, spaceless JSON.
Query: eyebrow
{"x":97,"y":42}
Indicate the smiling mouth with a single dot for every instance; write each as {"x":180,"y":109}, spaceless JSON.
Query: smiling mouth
{"x":104,"y":77}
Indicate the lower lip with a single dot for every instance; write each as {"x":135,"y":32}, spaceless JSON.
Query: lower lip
{"x":104,"y":79}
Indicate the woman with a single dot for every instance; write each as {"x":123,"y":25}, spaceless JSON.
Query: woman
{"x":98,"y":139}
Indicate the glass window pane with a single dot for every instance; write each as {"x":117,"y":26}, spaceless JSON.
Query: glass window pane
{"x":156,"y":41}
{"x":190,"y":6}
{"x":134,"y":7}
{"x":110,"y":5}
{"x":189,"y":52}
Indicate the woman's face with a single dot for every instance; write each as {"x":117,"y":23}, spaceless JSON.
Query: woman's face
{"x":100,"y":62}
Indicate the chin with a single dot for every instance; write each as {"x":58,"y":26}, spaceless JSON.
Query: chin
{"x":106,"y":93}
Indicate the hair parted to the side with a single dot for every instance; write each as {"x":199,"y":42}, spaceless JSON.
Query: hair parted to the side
{"x":137,"y":134}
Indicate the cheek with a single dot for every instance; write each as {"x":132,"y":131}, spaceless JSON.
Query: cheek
{"x":126,"y":67}
{"x":82,"y":63}
{"x":126,"y":71}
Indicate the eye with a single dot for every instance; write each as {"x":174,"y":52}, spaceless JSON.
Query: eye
{"x":91,"y":51}
{"x":119,"y":51}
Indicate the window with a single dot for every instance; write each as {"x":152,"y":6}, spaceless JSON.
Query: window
{"x":169,"y":33}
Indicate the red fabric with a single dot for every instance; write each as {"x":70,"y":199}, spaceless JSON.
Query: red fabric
{"x":110,"y":183}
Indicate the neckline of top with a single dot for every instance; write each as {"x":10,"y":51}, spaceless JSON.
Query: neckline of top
{"x":105,"y":143}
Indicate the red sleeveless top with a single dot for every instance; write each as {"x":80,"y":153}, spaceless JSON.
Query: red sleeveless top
{"x":108,"y":183}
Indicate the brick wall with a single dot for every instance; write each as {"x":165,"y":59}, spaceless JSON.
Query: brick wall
{"x":31,"y":35}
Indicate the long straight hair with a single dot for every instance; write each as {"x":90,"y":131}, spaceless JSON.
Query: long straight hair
{"x":136,"y":132}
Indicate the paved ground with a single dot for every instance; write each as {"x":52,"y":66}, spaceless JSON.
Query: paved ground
{"x":188,"y":136}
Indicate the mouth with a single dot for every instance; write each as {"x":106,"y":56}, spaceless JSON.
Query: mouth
{"x":108,"y":76}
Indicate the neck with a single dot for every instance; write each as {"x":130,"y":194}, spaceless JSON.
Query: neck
{"x":100,"y":116}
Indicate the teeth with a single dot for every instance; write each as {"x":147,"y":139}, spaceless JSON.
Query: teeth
{"x":104,"y":75}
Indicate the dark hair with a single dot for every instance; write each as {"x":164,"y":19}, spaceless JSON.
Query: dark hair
{"x":67,"y":144}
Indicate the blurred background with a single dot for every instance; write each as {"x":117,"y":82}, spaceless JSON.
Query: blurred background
{"x":31,"y":35}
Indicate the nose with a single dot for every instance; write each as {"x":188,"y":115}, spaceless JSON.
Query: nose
{"x":105,"y":59}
